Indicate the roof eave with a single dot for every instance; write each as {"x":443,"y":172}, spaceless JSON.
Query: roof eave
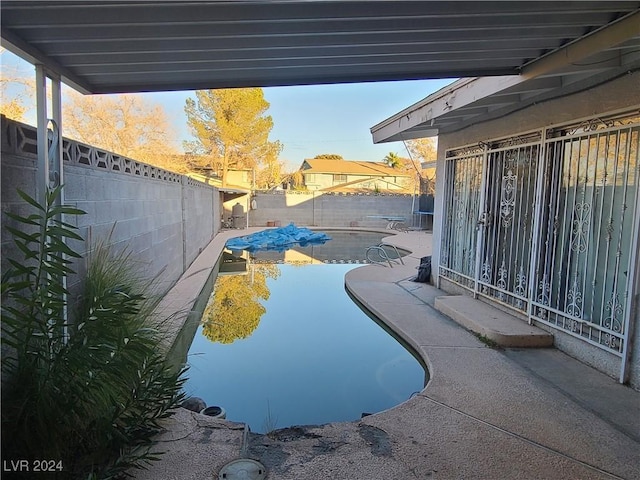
{"x":425,"y":118}
{"x":419,"y":120}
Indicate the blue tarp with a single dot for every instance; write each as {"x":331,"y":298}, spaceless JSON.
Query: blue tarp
{"x":279,"y":239}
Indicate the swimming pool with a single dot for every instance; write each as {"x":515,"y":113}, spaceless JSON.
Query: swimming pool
{"x":281,"y":343}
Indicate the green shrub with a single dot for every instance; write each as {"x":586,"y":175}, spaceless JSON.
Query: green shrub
{"x":88,"y":394}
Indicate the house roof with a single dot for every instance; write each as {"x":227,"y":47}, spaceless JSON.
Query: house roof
{"x":349,"y":167}
{"x":109,"y":46}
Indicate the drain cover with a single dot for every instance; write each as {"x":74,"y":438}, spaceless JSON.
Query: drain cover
{"x":243,"y":469}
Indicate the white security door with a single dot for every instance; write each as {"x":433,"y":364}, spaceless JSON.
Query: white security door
{"x":463,"y":195}
{"x":506,"y":224}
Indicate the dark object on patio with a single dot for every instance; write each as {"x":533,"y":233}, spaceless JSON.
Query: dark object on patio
{"x":425,"y":203}
{"x":424,"y":270}
{"x":215,"y":411}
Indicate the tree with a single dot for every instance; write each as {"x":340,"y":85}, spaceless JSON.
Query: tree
{"x":234,"y":310}
{"x":329,"y":156}
{"x":295,"y":180}
{"x":231,"y":129}
{"x":424,"y":150}
{"x":16,"y":90}
{"x":270,"y":175}
{"x":393,"y":160}
{"x":123,"y":124}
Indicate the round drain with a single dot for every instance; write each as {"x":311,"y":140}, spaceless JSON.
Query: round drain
{"x":243,"y":469}
{"x":216,"y":412}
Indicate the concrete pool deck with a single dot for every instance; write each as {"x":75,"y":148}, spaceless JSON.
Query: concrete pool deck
{"x":486,"y":413}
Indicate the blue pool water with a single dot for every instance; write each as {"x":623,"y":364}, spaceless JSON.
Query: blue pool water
{"x":282,"y":344}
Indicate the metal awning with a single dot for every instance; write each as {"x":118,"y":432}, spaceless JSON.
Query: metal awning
{"x":111,"y":46}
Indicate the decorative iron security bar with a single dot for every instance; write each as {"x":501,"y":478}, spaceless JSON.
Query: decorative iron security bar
{"x":547,"y":226}
{"x":586,"y":235}
{"x":462,"y":195}
{"x":507,"y":223}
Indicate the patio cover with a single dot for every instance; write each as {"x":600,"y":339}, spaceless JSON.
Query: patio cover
{"x":112,"y":46}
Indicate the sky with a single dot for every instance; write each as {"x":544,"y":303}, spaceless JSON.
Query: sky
{"x":316,"y":119}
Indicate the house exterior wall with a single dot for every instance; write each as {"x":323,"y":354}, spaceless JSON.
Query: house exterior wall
{"x":619,"y":95}
{"x":320,"y":181}
{"x":163,"y":218}
{"x":329,"y":209}
{"x":240,"y":178}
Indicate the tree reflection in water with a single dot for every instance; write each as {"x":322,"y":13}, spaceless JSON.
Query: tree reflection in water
{"x":234,"y":309}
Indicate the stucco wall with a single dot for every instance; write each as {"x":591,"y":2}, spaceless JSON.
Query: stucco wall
{"x":163,"y":218}
{"x":328,"y":209}
{"x":617,"y":95}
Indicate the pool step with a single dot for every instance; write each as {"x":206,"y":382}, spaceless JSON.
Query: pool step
{"x":492,"y":323}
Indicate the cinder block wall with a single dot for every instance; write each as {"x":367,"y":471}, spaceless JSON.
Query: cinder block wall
{"x":329,"y":209}
{"x":163,"y":218}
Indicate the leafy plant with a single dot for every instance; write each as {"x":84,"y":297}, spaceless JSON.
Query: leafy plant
{"x":488,"y":342}
{"x":88,"y":393}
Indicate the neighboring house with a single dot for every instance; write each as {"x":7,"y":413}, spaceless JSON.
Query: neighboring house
{"x":353,"y":176}
{"x":238,"y":178}
{"x":537,"y":201}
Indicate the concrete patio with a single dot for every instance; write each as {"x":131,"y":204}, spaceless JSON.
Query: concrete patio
{"x":486,"y":413}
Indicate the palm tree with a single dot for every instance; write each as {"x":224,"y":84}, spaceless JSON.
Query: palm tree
{"x":393,"y":160}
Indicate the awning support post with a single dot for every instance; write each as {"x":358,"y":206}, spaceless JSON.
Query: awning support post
{"x":49,"y":141}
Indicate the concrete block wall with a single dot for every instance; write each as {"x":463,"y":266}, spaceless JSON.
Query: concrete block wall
{"x":328,"y":209}
{"x":141,"y":215}
{"x":201,"y":217}
{"x":162,"y":218}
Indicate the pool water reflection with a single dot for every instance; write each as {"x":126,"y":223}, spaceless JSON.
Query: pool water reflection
{"x":284,"y":345}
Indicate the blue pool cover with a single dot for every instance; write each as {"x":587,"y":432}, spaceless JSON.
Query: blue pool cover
{"x":279,"y":239}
